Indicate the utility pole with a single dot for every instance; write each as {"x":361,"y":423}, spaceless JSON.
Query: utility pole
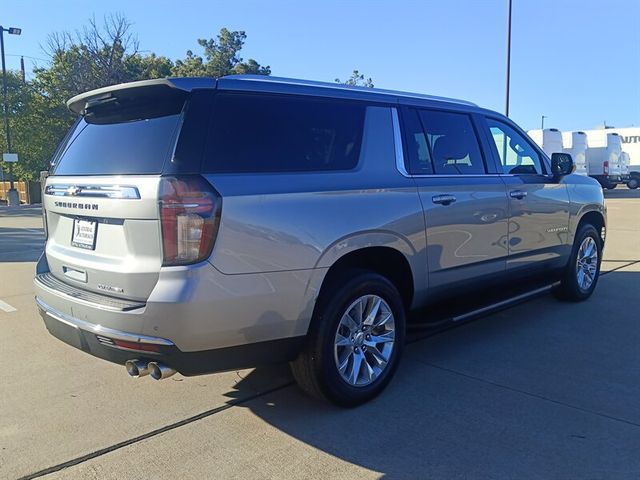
{"x":542,"y":125}
{"x":506,"y":108}
{"x":13,"y":197}
{"x":24,"y":76}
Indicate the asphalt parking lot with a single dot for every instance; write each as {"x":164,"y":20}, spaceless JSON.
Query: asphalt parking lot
{"x":541,"y":390}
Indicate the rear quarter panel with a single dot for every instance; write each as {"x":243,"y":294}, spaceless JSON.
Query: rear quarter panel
{"x":298,"y":221}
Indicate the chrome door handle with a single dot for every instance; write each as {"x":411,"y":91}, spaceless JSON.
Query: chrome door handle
{"x":443,"y":199}
{"x":519,"y":194}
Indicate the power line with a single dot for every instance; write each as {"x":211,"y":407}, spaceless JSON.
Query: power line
{"x":25,"y":56}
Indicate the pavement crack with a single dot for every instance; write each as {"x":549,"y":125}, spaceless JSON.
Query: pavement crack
{"x":525,"y":392}
{"x":152,"y":433}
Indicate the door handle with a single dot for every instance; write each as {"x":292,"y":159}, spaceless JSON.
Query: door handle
{"x":519,"y":194}
{"x":443,"y":199}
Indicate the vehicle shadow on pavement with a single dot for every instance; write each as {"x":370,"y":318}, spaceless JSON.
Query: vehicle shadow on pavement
{"x":546,"y":390}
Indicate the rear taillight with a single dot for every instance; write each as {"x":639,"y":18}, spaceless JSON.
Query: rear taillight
{"x":190,"y":215}
{"x":605,"y":167}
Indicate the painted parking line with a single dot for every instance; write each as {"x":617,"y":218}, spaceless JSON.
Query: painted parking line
{"x":6,"y":307}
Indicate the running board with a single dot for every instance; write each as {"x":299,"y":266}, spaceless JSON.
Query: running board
{"x":509,"y":302}
{"x":444,"y":315}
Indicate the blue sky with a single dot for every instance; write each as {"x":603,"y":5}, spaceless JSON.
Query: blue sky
{"x":575,"y":61}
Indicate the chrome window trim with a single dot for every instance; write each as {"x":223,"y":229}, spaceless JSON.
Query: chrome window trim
{"x":98,"y":329}
{"x":401,"y":166}
{"x":123,"y":192}
{"x":397,"y":143}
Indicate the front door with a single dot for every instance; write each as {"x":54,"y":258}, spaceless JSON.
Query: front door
{"x":538,"y":203}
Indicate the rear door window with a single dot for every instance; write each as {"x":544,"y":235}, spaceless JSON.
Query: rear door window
{"x":452,"y":143}
{"x":270,"y":133}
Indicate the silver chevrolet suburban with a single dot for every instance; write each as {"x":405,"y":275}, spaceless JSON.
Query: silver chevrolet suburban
{"x":198,"y":225}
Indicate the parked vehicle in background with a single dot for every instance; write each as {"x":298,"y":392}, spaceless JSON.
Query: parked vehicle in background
{"x":578,"y":151}
{"x":625,"y":161}
{"x":634,"y":177}
{"x":605,"y":163}
{"x":200,"y":225}
{"x":552,"y":140}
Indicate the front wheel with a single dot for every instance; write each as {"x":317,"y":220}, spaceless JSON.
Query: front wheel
{"x":355,"y":341}
{"x":632,"y":184}
{"x":583,"y":270}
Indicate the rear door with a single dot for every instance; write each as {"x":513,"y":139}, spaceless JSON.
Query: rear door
{"x":101,"y":199}
{"x":465,"y":207}
{"x":538,"y":203}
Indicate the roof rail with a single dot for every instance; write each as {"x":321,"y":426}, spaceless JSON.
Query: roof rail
{"x":338,"y":86}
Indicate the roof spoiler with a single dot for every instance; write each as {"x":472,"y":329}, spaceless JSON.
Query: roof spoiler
{"x":166,"y":88}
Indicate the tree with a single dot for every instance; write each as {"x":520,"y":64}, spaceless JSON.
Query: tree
{"x":357,"y":80}
{"x":220,"y":58}
{"x":96,"y":56}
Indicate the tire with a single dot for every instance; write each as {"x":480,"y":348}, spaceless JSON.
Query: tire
{"x":572,"y":285}
{"x":612,"y":186}
{"x":330,"y":341}
{"x":632,"y":184}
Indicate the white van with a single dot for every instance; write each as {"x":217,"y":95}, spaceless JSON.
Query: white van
{"x":577,"y":148}
{"x":604,"y":163}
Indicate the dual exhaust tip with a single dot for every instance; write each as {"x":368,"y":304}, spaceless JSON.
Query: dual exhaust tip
{"x":141,"y":368}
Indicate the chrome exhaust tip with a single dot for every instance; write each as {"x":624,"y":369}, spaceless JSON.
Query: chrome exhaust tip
{"x":137,"y":368}
{"x":159,"y":371}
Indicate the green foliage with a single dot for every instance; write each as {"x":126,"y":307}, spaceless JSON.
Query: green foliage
{"x":97,"y":56}
{"x":94,"y":57}
{"x":220,"y":58}
{"x":357,"y":80}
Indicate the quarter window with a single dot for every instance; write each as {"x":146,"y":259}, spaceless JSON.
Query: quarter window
{"x":516,"y":154}
{"x":452,"y":143}
{"x":253,"y":133}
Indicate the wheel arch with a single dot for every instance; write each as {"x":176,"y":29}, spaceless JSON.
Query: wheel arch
{"x":595,"y":218}
{"x":383,"y":260}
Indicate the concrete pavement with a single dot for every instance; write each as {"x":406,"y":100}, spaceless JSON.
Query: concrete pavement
{"x":542,"y":390}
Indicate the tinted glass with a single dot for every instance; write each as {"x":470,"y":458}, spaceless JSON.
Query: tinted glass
{"x":251,"y":133}
{"x":452,"y":142}
{"x":416,"y":146}
{"x":516,"y":154}
{"x":132,"y":147}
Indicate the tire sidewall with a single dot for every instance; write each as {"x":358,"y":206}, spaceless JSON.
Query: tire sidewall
{"x":632,"y":184}
{"x":584,"y":232}
{"x":331,"y":311}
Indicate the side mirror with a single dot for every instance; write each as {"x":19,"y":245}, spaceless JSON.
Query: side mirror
{"x":561,"y":164}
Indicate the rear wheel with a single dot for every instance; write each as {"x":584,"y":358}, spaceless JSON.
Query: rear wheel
{"x":632,"y":184}
{"x":355,"y":341}
{"x":583,"y":270}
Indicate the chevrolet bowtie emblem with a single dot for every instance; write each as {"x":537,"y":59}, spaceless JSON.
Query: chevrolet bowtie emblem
{"x":73,"y":190}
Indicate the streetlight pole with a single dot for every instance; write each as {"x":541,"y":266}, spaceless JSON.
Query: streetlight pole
{"x":506,"y":108}
{"x":542,"y":123}
{"x":11,"y":31}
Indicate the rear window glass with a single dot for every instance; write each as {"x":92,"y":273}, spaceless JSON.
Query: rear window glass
{"x":252,"y":133}
{"x":130,"y":147}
